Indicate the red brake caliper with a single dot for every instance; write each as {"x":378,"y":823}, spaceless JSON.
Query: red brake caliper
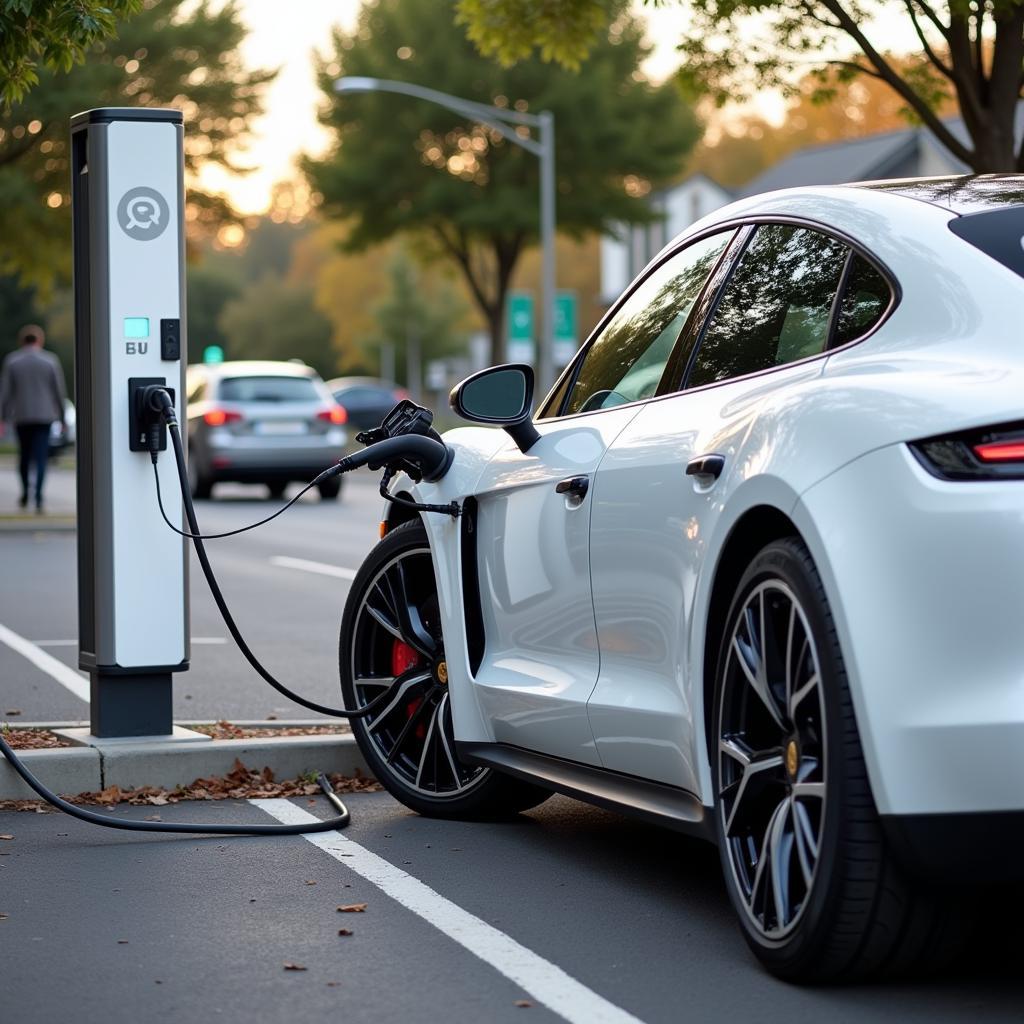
{"x":403,"y":658}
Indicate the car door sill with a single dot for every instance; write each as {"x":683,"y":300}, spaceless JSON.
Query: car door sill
{"x":651,"y":801}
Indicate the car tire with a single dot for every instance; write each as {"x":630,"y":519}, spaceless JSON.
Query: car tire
{"x":818,"y":893}
{"x":276,"y":488}
{"x":199,"y":484}
{"x":329,"y":489}
{"x":409,"y":745}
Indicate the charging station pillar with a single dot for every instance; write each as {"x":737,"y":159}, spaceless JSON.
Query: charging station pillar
{"x":127,"y":193}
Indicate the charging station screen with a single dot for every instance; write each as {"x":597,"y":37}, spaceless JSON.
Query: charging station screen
{"x":136,"y":326}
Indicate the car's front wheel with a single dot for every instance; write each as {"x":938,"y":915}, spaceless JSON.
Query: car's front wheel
{"x":817,"y":891}
{"x":391,"y":631}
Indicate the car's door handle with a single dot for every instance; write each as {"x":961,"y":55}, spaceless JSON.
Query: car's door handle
{"x":575,"y":486}
{"x":706,"y":465}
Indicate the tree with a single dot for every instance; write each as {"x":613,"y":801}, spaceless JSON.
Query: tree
{"x":971,"y":51}
{"x":210,"y":288}
{"x":737,"y":149}
{"x":55,"y":32}
{"x":272,"y":319}
{"x":465,"y":193}
{"x":414,"y":323}
{"x":174,"y":53}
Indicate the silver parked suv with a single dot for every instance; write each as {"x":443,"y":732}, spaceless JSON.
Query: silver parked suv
{"x":261,"y":422}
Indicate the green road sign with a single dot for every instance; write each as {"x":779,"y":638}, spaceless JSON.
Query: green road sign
{"x":213,"y":354}
{"x":565,"y":317}
{"x":520,"y":316}
{"x":520,"y":328}
{"x":566,"y":328}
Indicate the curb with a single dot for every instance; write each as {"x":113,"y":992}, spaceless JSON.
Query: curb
{"x":70,"y":770}
{"x":37,"y":524}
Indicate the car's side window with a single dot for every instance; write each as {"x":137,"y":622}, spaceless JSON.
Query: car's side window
{"x":775,"y":307}
{"x":866,"y":297}
{"x":626,"y":361}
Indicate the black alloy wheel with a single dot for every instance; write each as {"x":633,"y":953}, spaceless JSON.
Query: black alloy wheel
{"x":391,"y":638}
{"x":772,"y":757}
{"x":818,"y":893}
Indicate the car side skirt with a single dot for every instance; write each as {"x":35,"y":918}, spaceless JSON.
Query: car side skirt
{"x":654,"y":802}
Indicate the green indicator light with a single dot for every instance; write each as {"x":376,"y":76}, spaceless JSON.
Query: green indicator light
{"x":136,"y":326}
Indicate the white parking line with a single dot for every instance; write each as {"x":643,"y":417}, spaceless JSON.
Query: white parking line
{"x":211,"y":640}
{"x":67,"y":677}
{"x":323,"y":568}
{"x":547,"y":983}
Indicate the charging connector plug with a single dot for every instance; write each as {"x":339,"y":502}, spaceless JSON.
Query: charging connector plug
{"x":150,"y":403}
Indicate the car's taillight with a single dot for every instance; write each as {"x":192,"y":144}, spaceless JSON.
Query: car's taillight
{"x":990,"y":453}
{"x":1000,"y":451}
{"x":336,"y":414}
{"x":221,"y":417}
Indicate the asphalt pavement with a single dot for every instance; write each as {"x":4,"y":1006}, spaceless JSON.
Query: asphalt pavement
{"x":286,"y":584}
{"x":632,"y":920}
{"x":566,"y":913}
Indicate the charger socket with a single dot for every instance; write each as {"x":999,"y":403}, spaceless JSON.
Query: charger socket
{"x":139,"y":419}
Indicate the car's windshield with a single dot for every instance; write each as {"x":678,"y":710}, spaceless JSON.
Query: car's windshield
{"x":268,"y":389}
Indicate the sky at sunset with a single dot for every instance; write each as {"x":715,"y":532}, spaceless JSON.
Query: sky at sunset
{"x":285,"y":35}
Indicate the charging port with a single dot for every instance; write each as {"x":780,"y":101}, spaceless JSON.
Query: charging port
{"x":140,"y":419}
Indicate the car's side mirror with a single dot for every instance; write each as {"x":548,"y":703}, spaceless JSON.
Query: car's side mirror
{"x":502,"y":395}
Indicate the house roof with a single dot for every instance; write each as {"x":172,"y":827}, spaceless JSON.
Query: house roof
{"x":874,"y":156}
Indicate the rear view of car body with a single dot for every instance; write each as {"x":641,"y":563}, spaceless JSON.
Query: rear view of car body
{"x":262,"y":422}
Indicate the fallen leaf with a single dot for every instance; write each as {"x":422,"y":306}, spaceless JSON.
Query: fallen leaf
{"x":332,"y":984}
{"x":352,"y":908}
{"x":122,"y":942}
{"x":271,"y":718}
{"x":523,"y":1004}
{"x":309,"y":881}
{"x":289,"y":966}
{"x":153,"y":817}
{"x":3,"y":917}
{"x":344,"y":931}
{"x":13,"y":711}
{"x":5,"y":836}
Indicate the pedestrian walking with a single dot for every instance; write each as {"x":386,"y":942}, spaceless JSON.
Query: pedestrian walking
{"x":32,"y":398}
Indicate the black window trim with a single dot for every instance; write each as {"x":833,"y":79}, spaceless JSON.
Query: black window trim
{"x":855,"y":248}
{"x":572,"y":368}
{"x":727,"y":261}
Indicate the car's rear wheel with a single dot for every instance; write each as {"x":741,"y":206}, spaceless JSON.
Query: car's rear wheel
{"x":807,"y":867}
{"x":277,"y":488}
{"x":391,"y":630}
{"x":199,"y":484}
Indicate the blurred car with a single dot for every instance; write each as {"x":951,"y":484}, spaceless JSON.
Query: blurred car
{"x":261,"y":422}
{"x":63,"y":436}
{"x":366,"y":400}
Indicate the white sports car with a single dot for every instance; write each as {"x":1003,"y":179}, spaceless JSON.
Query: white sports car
{"x":754,"y":571}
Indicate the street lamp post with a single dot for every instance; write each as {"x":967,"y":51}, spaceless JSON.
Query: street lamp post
{"x":543,"y":147}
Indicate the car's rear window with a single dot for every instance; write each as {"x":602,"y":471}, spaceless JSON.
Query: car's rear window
{"x":998,"y":233}
{"x":268,"y":389}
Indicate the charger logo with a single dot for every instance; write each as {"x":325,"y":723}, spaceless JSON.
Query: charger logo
{"x":142,"y":214}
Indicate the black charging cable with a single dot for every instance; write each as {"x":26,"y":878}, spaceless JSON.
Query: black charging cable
{"x":129,"y":825}
{"x":242,"y":529}
{"x":162,"y":399}
{"x":432,"y":456}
